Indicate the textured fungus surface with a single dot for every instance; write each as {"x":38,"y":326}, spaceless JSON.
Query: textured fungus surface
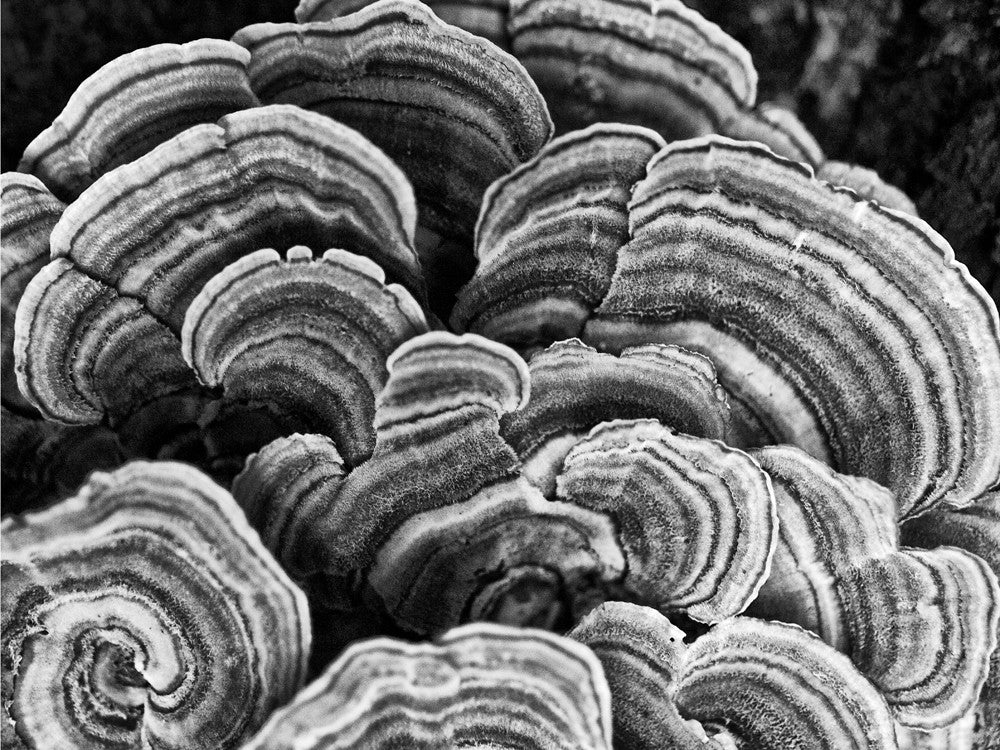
{"x":97,"y":331}
{"x":308,"y":338}
{"x":574,"y":388}
{"x":696,"y":518}
{"x":478,"y":685}
{"x":135,"y":103}
{"x":728,"y":245}
{"x":745,"y":683}
{"x":976,"y":529}
{"x":145,"y":612}
{"x":921,"y":624}
{"x":411,"y":83}
{"x":716,"y":380}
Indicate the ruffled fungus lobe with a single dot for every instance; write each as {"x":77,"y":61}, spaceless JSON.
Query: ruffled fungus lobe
{"x":98,"y":328}
{"x":696,"y":518}
{"x":29,"y":213}
{"x":574,"y":388}
{"x":438,"y":525}
{"x":835,"y":325}
{"x":485,"y":18}
{"x":479,"y":686}
{"x":453,"y":110}
{"x":134,"y":103}
{"x":919,"y":624}
{"x":548,"y":235}
{"x":746,"y":683}
{"x":660,"y":65}
{"x":145,"y":612}
{"x":41,"y":460}
{"x":306,"y":337}
{"x":976,"y":529}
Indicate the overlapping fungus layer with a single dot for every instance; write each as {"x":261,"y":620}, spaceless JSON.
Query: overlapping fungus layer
{"x":707,"y":386}
{"x":145,"y":612}
{"x":805,"y":297}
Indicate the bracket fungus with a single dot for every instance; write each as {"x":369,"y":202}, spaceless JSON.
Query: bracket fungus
{"x":660,"y":65}
{"x":480,"y":685}
{"x":920,"y":624}
{"x":412,"y":83}
{"x":560,"y":217}
{"x":41,"y":460}
{"x":977,"y":530}
{"x":133,"y":104}
{"x":145,"y":612}
{"x":307,"y":338}
{"x":438,"y":527}
{"x":484,"y":18}
{"x":98,"y":329}
{"x":696,"y":519}
{"x":574,"y":388}
{"x":745,"y":683}
{"x":804,"y":296}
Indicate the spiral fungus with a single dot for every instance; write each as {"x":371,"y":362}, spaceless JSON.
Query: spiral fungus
{"x":145,"y":611}
{"x":716,"y":410}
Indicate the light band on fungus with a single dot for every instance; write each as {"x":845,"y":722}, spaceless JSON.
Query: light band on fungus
{"x":485,"y":18}
{"x":268,"y":177}
{"x":695,"y":518}
{"x":921,"y":625}
{"x":125,"y":269}
{"x":84,"y":352}
{"x":479,"y":685}
{"x":412,"y":83}
{"x":306,"y":337}
{"x":564,"y":214}
{"x":42,"y":460}
{"x":977,"y":530}
{"x":133,"y":104}
{"x":746,"y":683}
{"x":574,"y":388}
{"x":731,"y":244}
{"x":145,"y":611}
{"x":29,"y":213}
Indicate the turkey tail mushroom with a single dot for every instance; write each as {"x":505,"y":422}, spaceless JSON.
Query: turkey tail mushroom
{"x":660,"y":65}
{"x":977,"y":530}
{"x":133,"y":104}
{"x":479,"y":685}
{"x":307,"y":338}
{"x":145,"y":611}
{"x":809,"y":300}
{"x":558,"y":219}
{"x":745,"y":683}
{"x":98,"y":330}
{"x":574,"y":388}
{"x":452,"y":109}
{"x":485,"y":18}
{"x":695,"y":518}
{"x":920,"y":624}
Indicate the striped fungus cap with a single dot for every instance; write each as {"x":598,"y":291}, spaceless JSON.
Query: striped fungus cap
{"x":144,"y":611}
{"x":920,"y":624}
{"x":745,"y":683}
{"x":98,"y":333}
{"x":479,"y":685}
{"x":441,"y":526}
{"x":807,"y":298}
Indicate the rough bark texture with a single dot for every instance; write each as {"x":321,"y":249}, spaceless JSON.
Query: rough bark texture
{"x":908,"y":87}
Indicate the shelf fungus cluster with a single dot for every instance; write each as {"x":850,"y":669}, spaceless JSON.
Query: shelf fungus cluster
{"x":323,"y":359}
{"x":144,"y":612}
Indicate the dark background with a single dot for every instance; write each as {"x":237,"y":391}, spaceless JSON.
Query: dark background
{"x":908,"y":87}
